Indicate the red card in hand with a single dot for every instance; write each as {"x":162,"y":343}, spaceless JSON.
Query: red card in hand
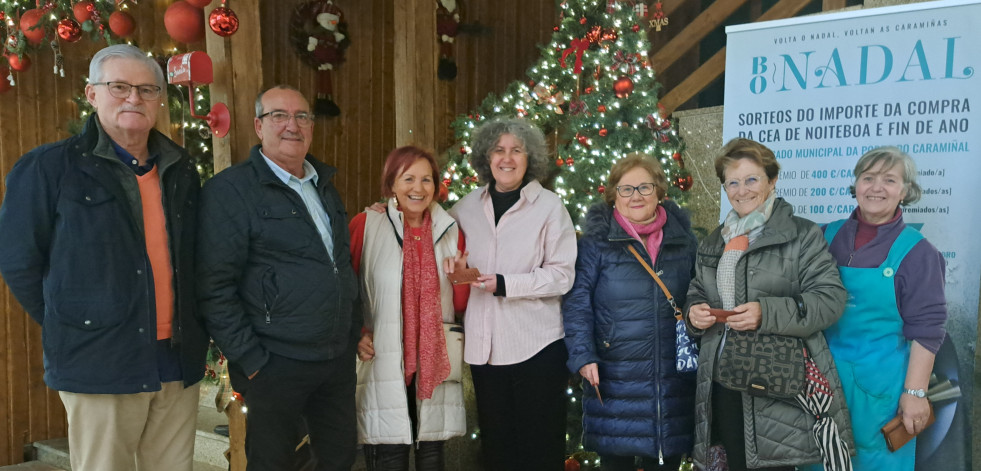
{"x":468,"y":275}
{"x":721,"y":314}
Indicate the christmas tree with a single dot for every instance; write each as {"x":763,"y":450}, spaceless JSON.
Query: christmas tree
{"x":594,"y":94}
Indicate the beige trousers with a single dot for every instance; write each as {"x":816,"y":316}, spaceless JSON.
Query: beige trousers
{"x":126,"y":432}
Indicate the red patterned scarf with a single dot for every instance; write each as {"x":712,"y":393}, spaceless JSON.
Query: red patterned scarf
{"x":424,"y":348}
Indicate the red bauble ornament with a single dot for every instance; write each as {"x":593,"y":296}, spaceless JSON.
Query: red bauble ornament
{"x":69,"y":30}
{"x":623,"y":87}
{"x":18,"y":64}
{"x":184,"y":22}
{"x":558,"y":162}
{"x":588,"y":90}
{"x":29,"y":20}
{"x":83,"y":10}
{"x":572,"y":464}
{"x":635,"y":28}
{"x":601,"y":189}
{"x":556,"y":29}
{"x":569,"y":161}
{"x":2,"y":16}
{"x":199,"y":3}
{"x":582,"y":20}
{"x":676,"y":156}
{"x":223,"y":21}
{"x":684,"y":183}
{"x":583,"y":140}
{"x":601,"y":108}
{"x":463,"y":150}
{"x":603,"y":132}
{"x":122,"y":24}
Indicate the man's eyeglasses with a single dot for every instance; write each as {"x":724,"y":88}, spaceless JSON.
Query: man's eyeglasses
{"x":123,"y":90}
{"x":303,"y":120}
{"x":750,"y":182}
{"x":626,"y":191}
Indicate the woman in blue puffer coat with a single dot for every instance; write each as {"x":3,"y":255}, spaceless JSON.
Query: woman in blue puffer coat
{"x":620,"y":328}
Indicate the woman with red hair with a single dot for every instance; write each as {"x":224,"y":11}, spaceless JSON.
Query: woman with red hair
{"x":405,"y":394}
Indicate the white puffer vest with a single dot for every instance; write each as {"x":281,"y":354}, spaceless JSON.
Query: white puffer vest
{"x":383,"y":415}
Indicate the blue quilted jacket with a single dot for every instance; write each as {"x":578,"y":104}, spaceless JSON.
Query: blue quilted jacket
{"x":618,"y":317}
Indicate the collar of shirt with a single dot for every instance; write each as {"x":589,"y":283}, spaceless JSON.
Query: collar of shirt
{"x":309,"y":173}
{"x":131,"y":162}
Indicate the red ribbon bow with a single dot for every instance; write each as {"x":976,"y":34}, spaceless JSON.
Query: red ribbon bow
{"x":578,"y":46}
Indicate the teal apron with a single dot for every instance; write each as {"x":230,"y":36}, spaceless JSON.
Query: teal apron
{"x":872,"y":354}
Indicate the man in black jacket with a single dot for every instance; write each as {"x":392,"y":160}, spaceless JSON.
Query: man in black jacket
{"x":97,"y":237}
{"x":278,"y":292}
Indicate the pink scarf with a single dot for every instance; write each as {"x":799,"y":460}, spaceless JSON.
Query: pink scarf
{"x":651,"y":232}
{"x":424,"y":349}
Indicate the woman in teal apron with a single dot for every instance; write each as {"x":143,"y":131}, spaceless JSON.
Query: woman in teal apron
{"x":885,"y":342}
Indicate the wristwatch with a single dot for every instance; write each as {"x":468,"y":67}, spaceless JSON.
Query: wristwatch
{"x":915,"y":392}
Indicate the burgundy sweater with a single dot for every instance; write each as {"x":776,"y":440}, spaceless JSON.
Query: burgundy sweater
{"x":919,"y":279}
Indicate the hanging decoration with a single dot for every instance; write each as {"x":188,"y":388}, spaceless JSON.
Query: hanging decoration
{"x":623,"y":87}
{"x":122,"y":24}
{"x":184,"y":22}
{"x":69,"y":30}
{"x":447,"y":27}
{"x":658,"y":18}
{"x":318,"y":34}
{"x":19,"y":63}
{"x":32,"y":27}
{"x":223,"y":21}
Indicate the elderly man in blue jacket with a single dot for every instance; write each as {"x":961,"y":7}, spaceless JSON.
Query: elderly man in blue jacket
{"x":278,"y":292}
{"x":97,"y":243}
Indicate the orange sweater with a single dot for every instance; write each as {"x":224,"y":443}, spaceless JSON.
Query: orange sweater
{"x":158,"y":249}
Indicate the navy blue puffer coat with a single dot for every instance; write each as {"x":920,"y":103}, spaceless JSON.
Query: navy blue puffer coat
{"x":617,"y":317}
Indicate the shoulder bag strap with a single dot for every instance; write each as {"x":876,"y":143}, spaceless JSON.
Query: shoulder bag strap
{"x":667,"y":294}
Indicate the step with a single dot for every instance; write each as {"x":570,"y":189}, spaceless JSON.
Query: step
{"x":53,"y":455}
{"x":30,"y":466}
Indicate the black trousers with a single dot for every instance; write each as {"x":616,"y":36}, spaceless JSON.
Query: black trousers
{"x":627,"y":463}
{"x":286,"y":391}
{"x":727,"y":428}
{"x":521,"y":409}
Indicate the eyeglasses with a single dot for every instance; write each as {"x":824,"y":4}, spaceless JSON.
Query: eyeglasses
{"x":750,"y":183}
{"x":626,"y":191}
{"x":303,"y":120}
{"x":123,"y":90}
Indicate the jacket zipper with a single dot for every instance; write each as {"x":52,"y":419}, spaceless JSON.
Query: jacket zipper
{"x":657,"y":383}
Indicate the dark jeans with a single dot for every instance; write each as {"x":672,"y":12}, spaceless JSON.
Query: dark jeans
{"x":727,"y":428}
{"x":627,"y":463}
{"x":521,"y":409}
{"x":286,"y":391}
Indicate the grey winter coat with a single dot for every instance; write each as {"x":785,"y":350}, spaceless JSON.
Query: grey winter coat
{"x":789,"y":257}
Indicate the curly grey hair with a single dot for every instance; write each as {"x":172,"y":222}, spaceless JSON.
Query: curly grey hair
{"x":124,"y":51}
{"x":485,"y":137}
{"x":890,"y":156}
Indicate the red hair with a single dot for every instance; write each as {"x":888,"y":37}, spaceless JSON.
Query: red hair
{"x":401,"y":159}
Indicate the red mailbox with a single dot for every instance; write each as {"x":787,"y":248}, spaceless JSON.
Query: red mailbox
{"x":195,"y":68}
{"x":190,"y":68}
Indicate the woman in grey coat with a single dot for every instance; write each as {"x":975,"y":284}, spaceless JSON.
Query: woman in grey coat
{"x":774,"y":271}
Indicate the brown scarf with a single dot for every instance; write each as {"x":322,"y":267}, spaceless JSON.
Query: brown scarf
{"x":424,"y":347}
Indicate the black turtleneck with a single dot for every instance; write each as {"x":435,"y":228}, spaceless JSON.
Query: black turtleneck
{"x":503,"y":200}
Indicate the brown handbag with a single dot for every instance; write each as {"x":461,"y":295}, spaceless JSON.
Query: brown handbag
{"x":895,"y":432}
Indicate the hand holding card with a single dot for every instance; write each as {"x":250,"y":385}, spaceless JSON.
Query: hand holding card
{"x":468,"y":275}
{"x":721,"y":314}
